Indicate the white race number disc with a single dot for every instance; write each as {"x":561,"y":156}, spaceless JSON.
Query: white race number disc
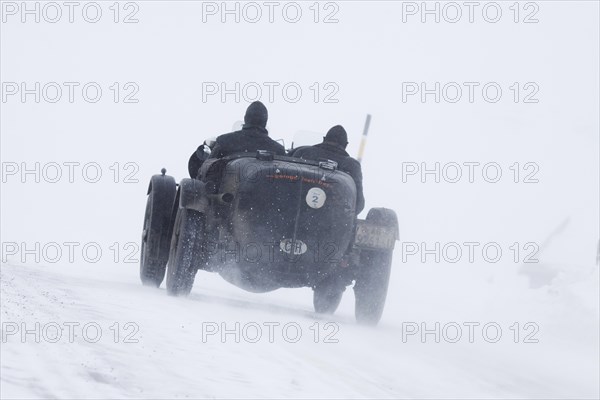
{"x":315,"y":198}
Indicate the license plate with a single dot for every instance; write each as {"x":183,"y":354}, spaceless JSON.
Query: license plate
{"x":372,"y":236}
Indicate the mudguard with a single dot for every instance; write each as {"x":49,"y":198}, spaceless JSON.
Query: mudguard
{"x":193,"y":195}
{"x":162,"y":183}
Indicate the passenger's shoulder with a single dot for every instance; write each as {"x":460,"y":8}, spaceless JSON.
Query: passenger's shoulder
{"x":226,"y":136}
{"x":352,"y":163}
{"x":280,"y":149}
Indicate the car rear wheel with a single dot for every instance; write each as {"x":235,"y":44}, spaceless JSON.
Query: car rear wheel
{"x":373,"y":273}
{"x":186,"y":252}
{"x":327,"y":296}
{"x":370,"y":289}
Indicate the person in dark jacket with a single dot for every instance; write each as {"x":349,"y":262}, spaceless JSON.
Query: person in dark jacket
{"x":252,"y":137}
{"x":197,"y":159}
{"x":334,"y":148}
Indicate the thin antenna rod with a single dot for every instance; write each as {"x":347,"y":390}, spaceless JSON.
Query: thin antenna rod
{"x":363,"y":142}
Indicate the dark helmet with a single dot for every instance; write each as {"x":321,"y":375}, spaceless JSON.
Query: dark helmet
{"x":256,"y":115}
{"x":337,"y":135}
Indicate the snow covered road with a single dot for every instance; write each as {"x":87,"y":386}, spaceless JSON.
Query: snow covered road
{"x":118,"y":339}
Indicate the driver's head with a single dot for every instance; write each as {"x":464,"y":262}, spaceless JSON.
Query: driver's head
{"x":256,"y":115}
{"x":337,"y":136}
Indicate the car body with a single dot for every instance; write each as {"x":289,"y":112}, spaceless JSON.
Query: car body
{"x":265,"y":222}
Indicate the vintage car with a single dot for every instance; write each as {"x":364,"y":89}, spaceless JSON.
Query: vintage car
{"x":265,"y":222}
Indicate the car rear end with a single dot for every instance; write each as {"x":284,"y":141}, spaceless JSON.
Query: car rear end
{"x":289,"y":222}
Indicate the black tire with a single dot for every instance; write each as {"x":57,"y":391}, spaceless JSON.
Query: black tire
{"x":157,"y":230}
{"x":370,"y":289}
{"x":327,"y":296}
{"x":373,"y":274}
{"x":186,"y":252}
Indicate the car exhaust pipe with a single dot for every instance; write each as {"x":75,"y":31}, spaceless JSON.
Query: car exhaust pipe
{"x":223,"y":198}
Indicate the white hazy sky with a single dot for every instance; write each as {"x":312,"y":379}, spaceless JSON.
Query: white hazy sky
{"x":367,"y":55}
